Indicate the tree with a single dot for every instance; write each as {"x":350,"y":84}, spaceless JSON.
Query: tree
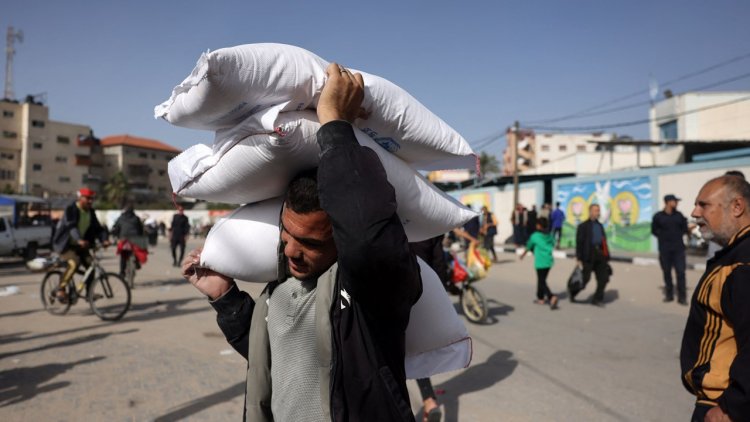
{"x":116,"y":190}
{"x":488,"y":163}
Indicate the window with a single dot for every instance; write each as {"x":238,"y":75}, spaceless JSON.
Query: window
{"x":2,"y":225}
{"x":161,"y":172}
{"x":7,"y":155}
{"x":142,"y":155}
{"x":545,"y":161}
{"x":60,"y":159}
{"x":545,"y":148}
{"x":37,"y":145}
{"x":153,"y":156}
{"x":7,"y":174}
{"x":9,"y":134}
{"x":36,"y":167}
{"x":63,"y":179}
{"x":63,"y":140}
{"x":563,"y":148}
{"x":581,"y":148}
{"x":8,"y":113}
{"x":668,"y":131}
{"x":37,"y":123}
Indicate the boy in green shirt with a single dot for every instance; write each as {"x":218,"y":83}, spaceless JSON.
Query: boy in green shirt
{"x":541,"y":243}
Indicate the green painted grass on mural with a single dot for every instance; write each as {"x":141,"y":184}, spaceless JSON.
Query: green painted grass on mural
{"x":635,"y":238}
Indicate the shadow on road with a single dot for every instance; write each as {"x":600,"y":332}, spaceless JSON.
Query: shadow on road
{"x":163,"y":309}
{"x":21,"y":384}
{"x":611,"y":295}
{"x":194,"y":406}
{"x":495,"y":309}
{"x":478,"y":377}
{"x":20,"y":313}
{"x":160,"y":283}
{"x":66,"y":343}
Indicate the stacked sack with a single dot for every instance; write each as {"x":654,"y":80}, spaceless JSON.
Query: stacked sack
{"x":257,"y":99}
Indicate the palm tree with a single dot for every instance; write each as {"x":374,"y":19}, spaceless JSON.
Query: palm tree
{"x":117,"y":189}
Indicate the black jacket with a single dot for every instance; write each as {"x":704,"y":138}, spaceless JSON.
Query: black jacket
{"x":715,"y":354}
{"x":67,"y":228}
{"x":127,"y":226}
{"x":669,"y":229}
{"x":584,"y":241}
{"x":375,"y":267}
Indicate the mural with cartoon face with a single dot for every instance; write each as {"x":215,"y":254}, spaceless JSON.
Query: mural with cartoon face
{"x":626,"y":209}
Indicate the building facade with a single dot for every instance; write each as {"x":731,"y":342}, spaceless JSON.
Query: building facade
{"x":46,"y":158}
{"x":144,"y":164}
{"x":702,"y":116}
{"x":539,"y":150}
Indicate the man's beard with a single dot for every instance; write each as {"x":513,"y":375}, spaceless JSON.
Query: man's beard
{"x":720,"y":236}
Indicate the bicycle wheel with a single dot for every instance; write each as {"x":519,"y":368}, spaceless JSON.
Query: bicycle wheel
{"x":109,"y":297}
{"x":474,"y":304}
{"x":130,"y":271}
{"x":51,"y":303}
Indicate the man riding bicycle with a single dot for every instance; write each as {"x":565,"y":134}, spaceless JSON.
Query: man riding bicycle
{"x":76,"y":232}
{"x":127,"y":227}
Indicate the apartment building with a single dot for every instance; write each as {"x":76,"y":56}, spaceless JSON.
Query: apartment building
{"x":537,"y":150}
{"x":42,"y":157}
{"x":143,"y":162}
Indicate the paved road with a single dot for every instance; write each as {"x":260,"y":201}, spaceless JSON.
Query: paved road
{"x":166,"y":360}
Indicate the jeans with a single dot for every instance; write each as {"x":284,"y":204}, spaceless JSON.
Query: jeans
{"x":669,"y":259}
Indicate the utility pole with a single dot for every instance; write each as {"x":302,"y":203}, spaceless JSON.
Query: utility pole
{"x":514,"y":155}
{"x":9,"y":53}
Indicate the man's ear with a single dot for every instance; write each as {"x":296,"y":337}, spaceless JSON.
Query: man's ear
{"x":738,"y":207}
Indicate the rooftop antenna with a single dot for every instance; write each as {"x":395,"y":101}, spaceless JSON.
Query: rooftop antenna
{"x":9,"y":52}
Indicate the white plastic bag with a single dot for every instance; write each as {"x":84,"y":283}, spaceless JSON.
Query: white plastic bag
{"x":231,"y":84}
{"x":437,"y":340}
{"x":259,"y":167}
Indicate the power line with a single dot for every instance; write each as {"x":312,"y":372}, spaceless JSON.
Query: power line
{"x":641,"y":92}
{"x":488,"y":140}
{"x":636,"y":122}
{"x":642,"y":103}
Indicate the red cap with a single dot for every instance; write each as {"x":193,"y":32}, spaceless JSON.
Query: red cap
{"x":86,"y":192}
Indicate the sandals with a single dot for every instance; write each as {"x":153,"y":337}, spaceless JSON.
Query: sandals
{"x":553,"y":302}
{"x":61,"y":295}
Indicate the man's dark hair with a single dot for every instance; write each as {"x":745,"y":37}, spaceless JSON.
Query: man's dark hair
{"x":557,"y":204}
{"x":735,"y":173}
{"x":542,"y":223}
{"x":302,"y":194}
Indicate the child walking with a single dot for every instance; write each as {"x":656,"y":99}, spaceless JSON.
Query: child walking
{"x":541,"y":243}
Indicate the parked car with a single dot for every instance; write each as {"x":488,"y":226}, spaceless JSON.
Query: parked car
{"x":25,"y":225}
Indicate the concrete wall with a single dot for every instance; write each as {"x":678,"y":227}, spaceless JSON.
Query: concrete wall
{"x":730,"y":121}
{"x":500,"y":202}
{"x":629,"y":199}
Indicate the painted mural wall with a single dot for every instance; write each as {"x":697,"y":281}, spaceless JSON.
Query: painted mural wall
{"x":626,"y":210}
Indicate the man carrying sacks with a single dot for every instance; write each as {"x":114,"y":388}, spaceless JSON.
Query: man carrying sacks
{"x":327,"y":343}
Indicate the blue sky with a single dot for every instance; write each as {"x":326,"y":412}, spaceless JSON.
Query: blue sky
{"x":479,"y":65}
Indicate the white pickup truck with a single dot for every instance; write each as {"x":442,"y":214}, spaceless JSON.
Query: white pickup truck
{"x":25,"y":225}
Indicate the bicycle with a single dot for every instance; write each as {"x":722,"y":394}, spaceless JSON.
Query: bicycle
{"x":473,"y":301}
{"x":127,"y":250}
{"x":108,"y":294}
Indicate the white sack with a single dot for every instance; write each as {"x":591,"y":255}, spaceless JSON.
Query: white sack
{"x":259,"y":167}
{"x":436,"y":339}
{"x":244,"y":246}
{"x":230,"y":84}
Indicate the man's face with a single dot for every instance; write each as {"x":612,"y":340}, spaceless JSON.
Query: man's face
{"x":712,"y":215}
{"x":308,"y":243}
{"x":85,"y":202}
{"x":594,"y":212}
{"x":670,"y":205}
